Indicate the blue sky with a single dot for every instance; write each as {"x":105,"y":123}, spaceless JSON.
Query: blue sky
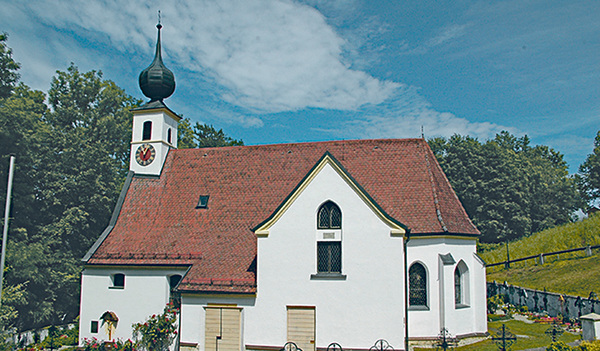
{"x":292,"y":71}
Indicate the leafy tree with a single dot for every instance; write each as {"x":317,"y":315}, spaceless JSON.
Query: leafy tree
{"x":207,"y":136}
{"x":590,"y":172}
{"x":185,"y":135}
{"x":72,"y":150}
{"x":11,"y":295}
{"x":8,"y":68}
{"x":508,"y":187}
{"x":88,"y":155}
{"x":72,"y":158}
{"x":202,"y":135}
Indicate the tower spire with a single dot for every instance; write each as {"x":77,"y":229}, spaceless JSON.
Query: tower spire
{"x":157,"y":81}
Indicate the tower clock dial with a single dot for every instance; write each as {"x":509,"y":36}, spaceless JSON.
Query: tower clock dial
{"x":145,"y":154}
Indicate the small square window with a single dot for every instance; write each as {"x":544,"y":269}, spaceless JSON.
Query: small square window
{"x":118,"y":281}
{"x":94,"y":327}
{"x":202,"y":202}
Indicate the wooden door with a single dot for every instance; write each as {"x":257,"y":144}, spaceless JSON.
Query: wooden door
{"x":223,"y":328}
{"x":301,"y":323}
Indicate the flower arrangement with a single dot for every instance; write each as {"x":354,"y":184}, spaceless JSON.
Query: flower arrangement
{"x":119,"y":345}
{"x":158,"y":332}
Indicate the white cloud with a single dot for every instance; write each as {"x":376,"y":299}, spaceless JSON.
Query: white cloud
{"x":449,"y":33}
{"x":407,"y":113}
{"x":269,"y":56}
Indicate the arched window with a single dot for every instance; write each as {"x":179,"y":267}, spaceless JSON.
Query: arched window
{"x":461,"y":285}
{"x":118,"y":280}
{"x":329,"y":216}
{"x":174,"y":280}
{"x":169,"y":135}
{"x":329,"y":247}
{"x":147,"y":132}
{"x":417,"y":278}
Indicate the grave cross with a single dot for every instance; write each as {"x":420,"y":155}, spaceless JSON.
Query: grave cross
{"x":445,"y":340}
{"x":555,"y":331}
{"x":504,"y":338}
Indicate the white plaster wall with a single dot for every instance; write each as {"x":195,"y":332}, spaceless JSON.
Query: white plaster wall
{"x":161,"y":122}
{"x":146,"y":292}
{"x":458,"y":321}
{"x":355,"y":312}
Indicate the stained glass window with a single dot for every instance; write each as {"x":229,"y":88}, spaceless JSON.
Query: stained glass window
{"x":417,"y":276}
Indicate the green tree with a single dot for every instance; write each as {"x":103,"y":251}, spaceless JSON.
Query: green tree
{"x":8,"y":68}
{"x":207,"y":136}
{"x":202,"y":135}
{"x":185,"y":135}
{"x":590,"y":172}
{"x":72,"y":159}
{"x":508,"y":187}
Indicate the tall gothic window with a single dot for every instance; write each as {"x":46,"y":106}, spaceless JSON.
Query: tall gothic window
{"x":461,"y":285}
{"x":457,"y":287}
{"x":417,"y":276}
{"x":329,"y":253}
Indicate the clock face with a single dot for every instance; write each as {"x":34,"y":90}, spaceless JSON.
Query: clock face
{"x":145,"y":154}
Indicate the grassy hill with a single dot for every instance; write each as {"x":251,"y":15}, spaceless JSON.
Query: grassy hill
{"x":572,"y":273}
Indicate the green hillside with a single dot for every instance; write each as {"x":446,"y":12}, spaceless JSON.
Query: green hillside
{"x":572,"y":273}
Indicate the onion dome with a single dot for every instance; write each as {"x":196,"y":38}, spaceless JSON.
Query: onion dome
{"x":157,"y":81}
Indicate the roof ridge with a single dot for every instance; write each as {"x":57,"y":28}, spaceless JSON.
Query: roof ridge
{"x":306,"y":143}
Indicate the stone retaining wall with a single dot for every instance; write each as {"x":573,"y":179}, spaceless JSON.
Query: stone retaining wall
{"x":542,"y":301}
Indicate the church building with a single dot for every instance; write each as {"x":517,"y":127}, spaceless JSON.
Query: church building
{"x":346,"y":242}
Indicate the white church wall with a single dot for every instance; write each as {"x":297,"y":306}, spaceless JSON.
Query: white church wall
{"x":355,"y":311}
{"x":443,"y":312}
{"x":145,"y":292}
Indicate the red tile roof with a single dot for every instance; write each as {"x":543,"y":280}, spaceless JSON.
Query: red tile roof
{"x":159,"y":224}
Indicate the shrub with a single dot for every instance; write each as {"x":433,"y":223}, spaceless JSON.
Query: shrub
{"x":559,"y":346}
{"x":119,"y":345}
{"x":159,"y":331}
{"x":494,"y":302}
{"x":590,"y":345}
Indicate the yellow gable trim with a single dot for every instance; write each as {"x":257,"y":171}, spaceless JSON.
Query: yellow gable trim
{"x":263,"y":230}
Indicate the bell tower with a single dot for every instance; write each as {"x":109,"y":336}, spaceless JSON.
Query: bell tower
{"x":154,"y":124}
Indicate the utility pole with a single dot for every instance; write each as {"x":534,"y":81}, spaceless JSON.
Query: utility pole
{"x":6,"y":213}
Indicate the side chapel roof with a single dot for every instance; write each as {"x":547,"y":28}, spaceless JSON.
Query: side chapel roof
{"x":159,"y":224}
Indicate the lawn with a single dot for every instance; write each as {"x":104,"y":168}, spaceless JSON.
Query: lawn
{"x":573,"y":276}
{"x":529,"y":335}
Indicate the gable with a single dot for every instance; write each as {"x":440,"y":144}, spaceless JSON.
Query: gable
{"x":396,"y":228}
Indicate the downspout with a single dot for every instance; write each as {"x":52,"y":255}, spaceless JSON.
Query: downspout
{"x":406,"y":240}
